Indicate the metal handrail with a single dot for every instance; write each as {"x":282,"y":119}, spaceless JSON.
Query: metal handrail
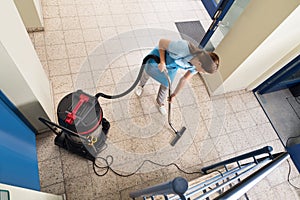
{"x":245,"y":185}
{"x":246,"y":167}
{"x":222,"y":178}
{"x":230,"y":181}
{"x":266,"y":149}
{"x":177,"y":186}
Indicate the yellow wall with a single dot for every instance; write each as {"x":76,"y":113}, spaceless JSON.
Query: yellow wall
{"x":258,"y":21}
{"x":31,"y":13}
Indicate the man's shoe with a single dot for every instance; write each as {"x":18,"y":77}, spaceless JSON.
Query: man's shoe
{"x":162,"y":109}
{"x":139,"y":91}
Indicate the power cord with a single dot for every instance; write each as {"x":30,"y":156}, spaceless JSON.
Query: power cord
{"x":108,"y":161}
{"x":297,"y":100}
{"x":290,"y":167}
{"x":289,"y":181}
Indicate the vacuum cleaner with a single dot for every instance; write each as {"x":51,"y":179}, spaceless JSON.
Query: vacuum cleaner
{"x":82,"y":129}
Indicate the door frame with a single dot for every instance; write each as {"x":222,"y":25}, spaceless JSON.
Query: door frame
{"x":10,"y":105}
{"x":211,"y":7}
{"x":218,"y":16}
{"x":272,"y":84}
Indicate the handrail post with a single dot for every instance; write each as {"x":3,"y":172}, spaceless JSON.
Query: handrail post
{"x":177,"y":186}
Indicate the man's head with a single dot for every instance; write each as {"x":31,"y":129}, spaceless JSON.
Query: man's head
{"x":206,"y":62}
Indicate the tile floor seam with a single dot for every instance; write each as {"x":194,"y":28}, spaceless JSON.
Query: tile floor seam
{"x":104,"y":33}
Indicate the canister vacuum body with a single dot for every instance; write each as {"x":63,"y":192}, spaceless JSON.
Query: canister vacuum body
{"x":82,"y":128}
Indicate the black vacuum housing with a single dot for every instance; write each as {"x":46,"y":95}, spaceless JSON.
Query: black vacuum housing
{"x":85,"y":128}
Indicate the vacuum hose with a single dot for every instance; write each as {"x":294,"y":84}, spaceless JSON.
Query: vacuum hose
{"x":157,"y":60}
{"x":148,"y":57}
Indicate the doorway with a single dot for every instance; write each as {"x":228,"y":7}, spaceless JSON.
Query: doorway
{"x":224,"y":14}
{"x":280,"y":98}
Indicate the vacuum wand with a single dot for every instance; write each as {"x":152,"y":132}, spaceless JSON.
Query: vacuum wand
{"x":178,"y":133}
{"x":145,"y":60}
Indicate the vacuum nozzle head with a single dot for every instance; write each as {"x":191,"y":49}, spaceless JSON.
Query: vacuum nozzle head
{"x":178,"y":136}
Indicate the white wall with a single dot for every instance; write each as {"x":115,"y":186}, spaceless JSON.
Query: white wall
{"x":22,"y":77}
{"x":277,"y":46}
{"x":282,"y":62}
{"x":12,"y":82}
{"x":16,"y":193}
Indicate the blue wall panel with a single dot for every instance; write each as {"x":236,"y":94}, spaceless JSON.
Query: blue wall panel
{"x":18,"y":158}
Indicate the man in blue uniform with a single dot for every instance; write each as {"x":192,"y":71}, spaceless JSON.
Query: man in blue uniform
{"x":174,"y":55}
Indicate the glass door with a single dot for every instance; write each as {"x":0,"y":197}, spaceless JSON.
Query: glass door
{"x":211,"y":6}
{"x":224,"y":18}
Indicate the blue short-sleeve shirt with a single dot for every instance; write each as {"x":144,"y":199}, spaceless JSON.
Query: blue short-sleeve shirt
{"x":180,"y":52}
{"x":177,"y":56}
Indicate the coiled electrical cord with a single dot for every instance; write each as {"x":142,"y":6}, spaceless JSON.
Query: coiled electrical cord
{"x":109,"y":160}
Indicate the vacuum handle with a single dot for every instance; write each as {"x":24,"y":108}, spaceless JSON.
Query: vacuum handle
{"x":51,"y":126}
{"x":169,"y":103}
{"x":72,"y":115}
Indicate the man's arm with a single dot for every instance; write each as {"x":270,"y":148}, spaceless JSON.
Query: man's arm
{"x":162,"y":47}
